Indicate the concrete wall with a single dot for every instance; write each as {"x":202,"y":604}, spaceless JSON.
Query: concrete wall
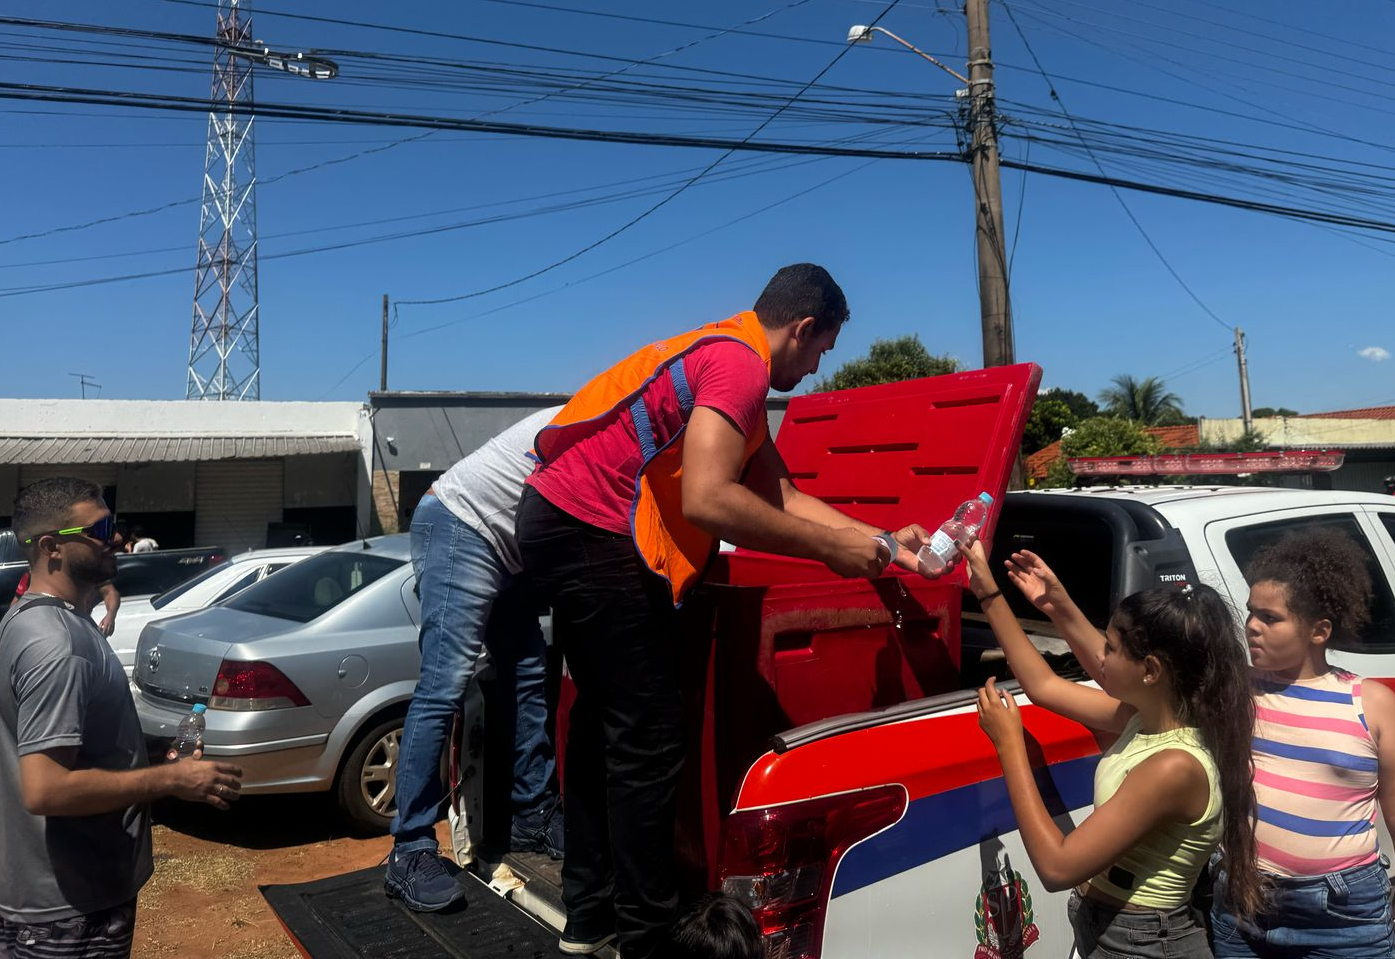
{"x":173,"y":418}
{"x":156,"y":487}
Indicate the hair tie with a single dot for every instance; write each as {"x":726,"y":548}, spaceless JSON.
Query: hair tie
{"x":1188,"y":591}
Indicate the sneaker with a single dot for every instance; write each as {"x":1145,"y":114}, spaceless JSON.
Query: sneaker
{"x":574,"y":944}
{"x":422,"y":881}
{"x":539,"y":830}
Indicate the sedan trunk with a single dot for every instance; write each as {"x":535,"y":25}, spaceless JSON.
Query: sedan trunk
{"x":178,"y":658}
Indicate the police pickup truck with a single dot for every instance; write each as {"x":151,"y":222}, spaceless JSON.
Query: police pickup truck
{"x":837,"y":780}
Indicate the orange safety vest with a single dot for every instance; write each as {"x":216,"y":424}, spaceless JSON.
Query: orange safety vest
{"x":670,"y":545}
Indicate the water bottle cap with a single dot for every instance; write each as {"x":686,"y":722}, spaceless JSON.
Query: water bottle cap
{"x":199,"y":708}
{"x":988,"y":500}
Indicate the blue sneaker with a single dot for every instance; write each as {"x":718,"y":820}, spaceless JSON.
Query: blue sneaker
{"x":422,"y":881}
{"x":539,"y":830}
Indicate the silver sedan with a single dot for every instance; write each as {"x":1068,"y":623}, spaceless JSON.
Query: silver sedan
{"x":306,"y":675}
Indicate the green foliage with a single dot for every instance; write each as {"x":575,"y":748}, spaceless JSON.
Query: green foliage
{"x":1146,"y":401}
{"x":1050,"y":416}
{"x":1263,"y":412}
{"x":1081,"y":406}
{"x":888,"y":361}
{"x":1108,"y":436}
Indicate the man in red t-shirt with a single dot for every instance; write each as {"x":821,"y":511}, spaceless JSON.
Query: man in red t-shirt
{"x":614,"y":615}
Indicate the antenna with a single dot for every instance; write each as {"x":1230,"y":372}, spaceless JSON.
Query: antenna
{"x":84,"y":381}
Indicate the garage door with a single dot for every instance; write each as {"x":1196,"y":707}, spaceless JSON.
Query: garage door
{"x":234,"y":501}
{"x":103,"y":474}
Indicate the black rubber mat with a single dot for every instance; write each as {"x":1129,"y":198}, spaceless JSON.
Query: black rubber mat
{"x":349,"y":917}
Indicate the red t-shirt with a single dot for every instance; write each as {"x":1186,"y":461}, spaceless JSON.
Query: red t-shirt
{"x":594,"y":480}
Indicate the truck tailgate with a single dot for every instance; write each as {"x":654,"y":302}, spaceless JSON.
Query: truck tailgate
{"x":349,"y":917}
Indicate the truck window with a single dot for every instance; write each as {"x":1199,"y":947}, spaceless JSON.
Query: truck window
{"x":1243,"y":542}
{"x":1079,"y":548}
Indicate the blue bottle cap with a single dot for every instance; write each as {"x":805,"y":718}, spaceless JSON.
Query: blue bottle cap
{"x":199,"y":708}
{"x":987,"y":499}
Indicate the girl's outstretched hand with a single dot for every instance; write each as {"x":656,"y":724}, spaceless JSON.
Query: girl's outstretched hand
{"x":980,"y":574}
{"x":1030,"y":574}
{"x":999,"y":717}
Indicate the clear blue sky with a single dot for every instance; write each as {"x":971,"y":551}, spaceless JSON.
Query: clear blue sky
{"x":1091,"y":299}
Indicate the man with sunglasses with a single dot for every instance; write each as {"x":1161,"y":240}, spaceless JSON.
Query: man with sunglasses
{"x":75,"y":786}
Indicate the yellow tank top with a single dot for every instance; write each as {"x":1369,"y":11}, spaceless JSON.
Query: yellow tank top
{"x":1161,"y":870}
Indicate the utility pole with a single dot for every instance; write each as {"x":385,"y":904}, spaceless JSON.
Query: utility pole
{"x":1245,"y":416}
{"x":995,"y":311}
{"x":382,"y":376}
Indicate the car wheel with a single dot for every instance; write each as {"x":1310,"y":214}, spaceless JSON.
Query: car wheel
{"x":368,"y":781}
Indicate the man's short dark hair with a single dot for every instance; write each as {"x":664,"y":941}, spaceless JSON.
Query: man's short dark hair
{"x":719,"y":927}
{"x":800,"y":290}
{"x":46,"y":505}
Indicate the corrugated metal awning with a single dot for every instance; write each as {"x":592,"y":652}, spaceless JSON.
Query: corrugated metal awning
{"x":166,"y":449}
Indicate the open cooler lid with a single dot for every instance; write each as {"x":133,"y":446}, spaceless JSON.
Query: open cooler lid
{"x":910,"y":452}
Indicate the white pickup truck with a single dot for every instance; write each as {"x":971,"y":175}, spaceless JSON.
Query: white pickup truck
{"x":837,"y":778}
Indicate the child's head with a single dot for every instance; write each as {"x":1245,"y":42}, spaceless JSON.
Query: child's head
{"x":718,"y":927}
{"x":1308,"y":590}
{"x":1169,"y":639}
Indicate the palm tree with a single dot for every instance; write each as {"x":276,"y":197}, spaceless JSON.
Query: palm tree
{"x":1144,"y":401}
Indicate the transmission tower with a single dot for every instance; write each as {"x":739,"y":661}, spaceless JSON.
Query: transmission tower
{"x":224,"y":352}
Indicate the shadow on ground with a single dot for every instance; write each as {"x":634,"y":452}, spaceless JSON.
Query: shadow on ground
{"x":259,"y":822}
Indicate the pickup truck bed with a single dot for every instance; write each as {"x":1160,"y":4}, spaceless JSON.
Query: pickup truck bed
{"x":348,"y":917}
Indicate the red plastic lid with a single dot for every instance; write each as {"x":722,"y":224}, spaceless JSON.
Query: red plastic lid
{"x":910,"y":452}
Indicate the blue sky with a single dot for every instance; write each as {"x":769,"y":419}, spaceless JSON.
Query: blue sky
{"x":1091,"y":299}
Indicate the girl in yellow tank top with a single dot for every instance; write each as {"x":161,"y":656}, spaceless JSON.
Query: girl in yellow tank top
{"x":1174,"y":688}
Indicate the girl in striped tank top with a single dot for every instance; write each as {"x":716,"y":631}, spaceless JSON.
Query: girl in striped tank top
{"x":1324,"y":744}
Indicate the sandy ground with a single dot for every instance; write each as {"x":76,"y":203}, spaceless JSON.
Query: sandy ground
{"x":203,"y":902}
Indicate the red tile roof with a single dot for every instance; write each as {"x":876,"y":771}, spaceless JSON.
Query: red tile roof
{"x":1169,"y":438}
{"x":1369,"y":413}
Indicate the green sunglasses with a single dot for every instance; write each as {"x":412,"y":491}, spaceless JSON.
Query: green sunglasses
{"x":104,"y":529}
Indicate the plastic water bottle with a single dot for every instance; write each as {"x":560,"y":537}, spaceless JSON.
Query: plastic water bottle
{"x":190,"y":732}
{"x":959,"y":530}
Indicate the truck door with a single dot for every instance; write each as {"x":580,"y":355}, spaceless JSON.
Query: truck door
{"x":1233,"y":544}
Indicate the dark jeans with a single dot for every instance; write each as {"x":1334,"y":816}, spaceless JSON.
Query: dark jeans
{"x":1104,"y":932}
{"x":1342,"y":915}
{"x":617,"y":628}
{"x":97,"y":935}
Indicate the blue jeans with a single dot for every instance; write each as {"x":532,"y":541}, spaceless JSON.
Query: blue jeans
{"x":469,"y":601}
{"x":1343,"y":915}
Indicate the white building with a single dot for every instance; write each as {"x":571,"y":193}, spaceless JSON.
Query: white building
{"x":199,"y":473}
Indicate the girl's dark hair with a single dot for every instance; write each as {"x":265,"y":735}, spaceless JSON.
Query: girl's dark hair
{"x":718,"y":927}
{"x":1325,"y":575}
{"x":1193,"y":634}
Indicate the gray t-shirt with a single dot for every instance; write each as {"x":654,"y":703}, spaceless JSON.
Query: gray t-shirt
{"x":483,"y":489}
{"x":63,"y":686}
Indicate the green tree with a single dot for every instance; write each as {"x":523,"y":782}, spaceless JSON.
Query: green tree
{"x":888,"y":361}
{"x":1145,"y":401}
{"x":1050,"y":417}
{"x":1080,"y":405}
{"x":1099,"y":436}
{"x":1267,"y":411}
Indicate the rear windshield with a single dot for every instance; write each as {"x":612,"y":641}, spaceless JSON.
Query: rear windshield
{"x":1078,"y":547}
{"x":170,"y":595}
{"x":313,"y":586}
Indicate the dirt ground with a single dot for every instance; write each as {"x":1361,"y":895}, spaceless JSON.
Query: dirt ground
{"x":203,"y":902}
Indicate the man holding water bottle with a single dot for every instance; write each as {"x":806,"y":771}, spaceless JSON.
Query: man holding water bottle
{"x":74,"y":783}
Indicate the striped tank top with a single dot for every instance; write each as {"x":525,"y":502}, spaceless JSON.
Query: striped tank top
{"x":1315,"y":775}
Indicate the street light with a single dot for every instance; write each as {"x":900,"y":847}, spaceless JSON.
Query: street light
{"x":298,"y":64}
{"x":995,"y":313}
{"x":863,"y":34}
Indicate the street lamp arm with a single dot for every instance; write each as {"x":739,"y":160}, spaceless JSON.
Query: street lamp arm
{"x":298,"y":64}
{"x":864,"y":34}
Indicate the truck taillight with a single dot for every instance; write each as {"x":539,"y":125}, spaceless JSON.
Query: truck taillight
{"x":251,"y":686}
{"x":779,"y":860}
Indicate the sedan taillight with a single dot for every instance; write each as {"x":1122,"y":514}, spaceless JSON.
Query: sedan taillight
{"x":252,"y":686}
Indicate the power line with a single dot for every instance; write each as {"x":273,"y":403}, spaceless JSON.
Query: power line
{"x":1114,"y":190}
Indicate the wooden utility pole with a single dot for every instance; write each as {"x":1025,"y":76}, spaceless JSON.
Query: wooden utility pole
{"x":382,"y":377}
{"x":1245,"y":416}
{"x":994,"y":309}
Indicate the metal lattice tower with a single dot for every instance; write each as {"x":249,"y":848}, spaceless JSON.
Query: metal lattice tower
{"x":224,"y":352}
